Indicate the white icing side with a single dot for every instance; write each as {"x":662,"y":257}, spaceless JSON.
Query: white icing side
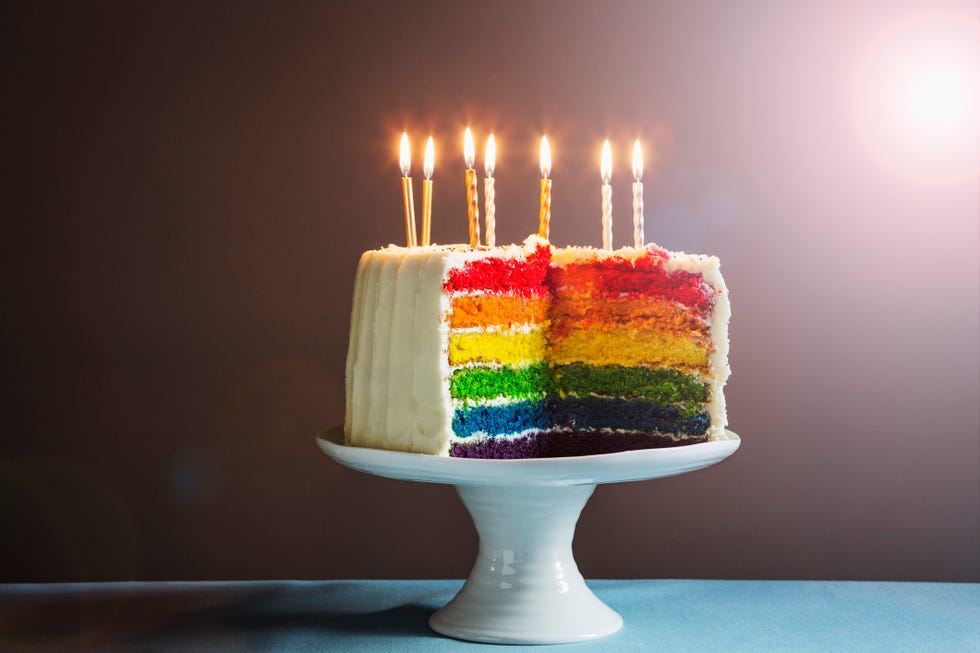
{"x":709,"y":267}
{"x":401,"y":372}
{"x":355,"y":338}
{"x":381,"y":330}
{"x":361,"y":353}
{"x":397,"y":369}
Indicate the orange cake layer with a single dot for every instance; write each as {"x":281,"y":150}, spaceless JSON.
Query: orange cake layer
{"x":496,"y":310}
{"x":626,"y":346}
{"x":641,"y":314}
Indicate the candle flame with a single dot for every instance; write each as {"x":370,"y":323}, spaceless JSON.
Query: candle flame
{"x":637,"y":162}
{"x":405,"y":156}
{"x":490,"y":159}
{"x":605,"y":162}
{"x":469,"y":150}
{"x":429,"y":160}
{"x":545,"y":158}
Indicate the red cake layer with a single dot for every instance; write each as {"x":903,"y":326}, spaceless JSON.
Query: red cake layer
{"x":525,"y":278}
{"x":644,"y":277}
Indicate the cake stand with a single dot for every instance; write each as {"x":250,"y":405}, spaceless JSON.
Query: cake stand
{"x":525,"y":587}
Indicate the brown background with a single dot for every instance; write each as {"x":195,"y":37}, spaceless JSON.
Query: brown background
{"x":189,"y":187}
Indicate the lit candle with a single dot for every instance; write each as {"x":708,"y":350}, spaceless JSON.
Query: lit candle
{"x":428,"y":163}
{"x":489,"y":198}
{"x":544,"y":215}
{"x":405,"y":159}
{"x":637,"y":195}
{"x":605,"y":169}
{"x":472,"y":207}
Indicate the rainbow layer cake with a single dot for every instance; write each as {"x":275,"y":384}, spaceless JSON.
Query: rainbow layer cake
{"x":532,"y":350}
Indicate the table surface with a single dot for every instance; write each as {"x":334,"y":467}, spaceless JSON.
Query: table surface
{"x":379,"y":616}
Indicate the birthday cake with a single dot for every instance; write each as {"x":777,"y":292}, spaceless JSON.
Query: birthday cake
{"x":528,"y":351}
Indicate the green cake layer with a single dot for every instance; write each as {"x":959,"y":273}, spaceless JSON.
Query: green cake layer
{"x":660,"y":385}
{"x":685,"y":392}
{"x":508,"y":381}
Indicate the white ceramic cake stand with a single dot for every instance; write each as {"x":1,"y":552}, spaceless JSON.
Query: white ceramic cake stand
{"x":525,"y":587}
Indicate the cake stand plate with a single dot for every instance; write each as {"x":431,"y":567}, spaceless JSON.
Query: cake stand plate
{"x":525,"y":587}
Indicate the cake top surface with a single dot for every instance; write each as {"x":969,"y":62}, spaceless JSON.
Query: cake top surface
{"x":460,"y":254}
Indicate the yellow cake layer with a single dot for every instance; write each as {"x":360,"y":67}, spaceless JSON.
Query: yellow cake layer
{"x":493,"y":310}
{"x":505,"y":347}
{"x":624,"y":346}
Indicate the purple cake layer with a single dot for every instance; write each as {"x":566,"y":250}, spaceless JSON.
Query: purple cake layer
{"x":555,"y":445}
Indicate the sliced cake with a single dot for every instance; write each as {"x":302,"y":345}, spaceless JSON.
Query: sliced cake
{"x":536,"y":351}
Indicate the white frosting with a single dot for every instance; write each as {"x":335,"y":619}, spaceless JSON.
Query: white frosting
{"x":397,"y":374}
{"x":501,"y":328}
{"x":710,"y":268}
{"x":397,"y":369}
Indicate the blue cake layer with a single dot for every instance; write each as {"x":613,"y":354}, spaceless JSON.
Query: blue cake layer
{"x":593,"y":413}
{"x":496,"y":420}
{"x":579,"y":414}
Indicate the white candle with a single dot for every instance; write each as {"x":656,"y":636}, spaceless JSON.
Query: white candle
{"x":637,"y":195}
{"x":605,"y":169}
{"x":490,"y":162}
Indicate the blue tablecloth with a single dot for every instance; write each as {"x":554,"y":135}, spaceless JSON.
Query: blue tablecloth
{"x":662,"y":615}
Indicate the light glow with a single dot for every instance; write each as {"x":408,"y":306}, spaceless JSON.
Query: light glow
{"x":916,"y":97}
{"x":490,"y":157}
{"x":469,"y":150}
{"x":545,"y":158}
{"x":605,"y":162}
{"x":405,"y":156}
{"x":637,"y":162}
{"x":935,"y":96}
{"x":429,"y":160}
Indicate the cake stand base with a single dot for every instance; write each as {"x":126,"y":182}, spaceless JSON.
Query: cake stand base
{"x":525,"y":587}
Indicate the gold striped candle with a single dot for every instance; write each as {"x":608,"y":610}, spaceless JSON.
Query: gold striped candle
{"x":472,"y":199}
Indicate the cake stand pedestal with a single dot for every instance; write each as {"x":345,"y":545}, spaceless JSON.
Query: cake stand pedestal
{"x":525,"y":587}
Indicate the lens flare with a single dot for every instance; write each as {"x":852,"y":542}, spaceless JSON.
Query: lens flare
{"x":936,"y":97}
{"x":917,"y":98}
